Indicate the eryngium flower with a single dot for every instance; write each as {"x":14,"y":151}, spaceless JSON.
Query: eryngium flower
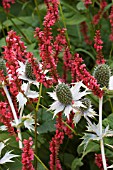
{"x":102,"y":73}
{"x":87,"y":103}
{"x":64,"y":94}
{"x":84,"y":111}
{"x":67,"y":99}
{"x":29,"y":71}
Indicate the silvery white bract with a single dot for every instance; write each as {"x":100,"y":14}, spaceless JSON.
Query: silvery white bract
{"x":26,"y":121}
{"x":89,"y":112}
{"x":95,"y":135}
{"x":22,"y":75}
{"x":57,"y":106}
{"x":22,"y":100}
{"x":111,"y":83}
{"x":3,"y":128}
{"x":8,"y":156}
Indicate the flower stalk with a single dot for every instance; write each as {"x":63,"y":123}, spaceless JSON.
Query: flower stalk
{"x":36,"y":110}
{"x":101,"y":140}
{"x":14,"y":114}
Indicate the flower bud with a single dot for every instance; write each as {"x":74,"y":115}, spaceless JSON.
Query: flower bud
{"x":29,"y":71}
{"x":64,"y":94}
{"x":102,"y":73}
{"x":87,"y":103}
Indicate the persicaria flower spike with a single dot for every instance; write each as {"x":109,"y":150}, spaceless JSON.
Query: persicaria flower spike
{"x":83,"y":75}
{"x":27,"y":155}
{"x":87,"y":3}
{"x":111,"y":23}
{"x":98,"y":46}
{"x":7,"y":4}
{"x":98,"y":16}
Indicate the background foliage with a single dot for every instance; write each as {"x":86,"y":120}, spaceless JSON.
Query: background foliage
{"x":24,"y":17}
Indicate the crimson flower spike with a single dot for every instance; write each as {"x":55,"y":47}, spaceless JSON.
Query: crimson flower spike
{"x":83,"y":75}
{"x":98,"y":46}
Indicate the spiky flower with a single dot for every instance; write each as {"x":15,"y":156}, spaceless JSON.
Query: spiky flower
{"x":84,"y":111}
{"x":22,"y":73}
{"x":87,"y":103}
{"x":67,"y":99}
{"x":102,"y":73}
{"x":29,"y":71}
{"x":3,"y":67}
{"x":64,"y":94}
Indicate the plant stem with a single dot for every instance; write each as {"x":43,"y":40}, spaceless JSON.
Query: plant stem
{"x":14,"y":114}
{"x":41,"y":162}
{"x":38,"y":12}
{"x":36,"y":110}
{"x":101,"y":140}
{"x":63,"y":19}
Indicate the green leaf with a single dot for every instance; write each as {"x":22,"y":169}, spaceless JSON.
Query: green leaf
{"x":108,"y":121}
{"x":19,"y":21}
{"x":67,"y":158}
{"x":46,"y":127}
{"x":47,"y":122}
{"x":80,"y":6}
{"x":75,"y":19}
{"x":2,"y":42}
{"x":86,"y":52}
{"x":76,"y":164}
{"x":92,"y":147}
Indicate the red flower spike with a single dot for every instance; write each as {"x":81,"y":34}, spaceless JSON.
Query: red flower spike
{"x":97,"y":17}
{"x":83,"y":75}
{"x":98,"y":46}
{"x":6,"y":117}
{"x":84,"y":31}
{"x":55,"y":143}
{"x":87,"y":3}
{"x":27,"y":155}
{"x":7,"y":4}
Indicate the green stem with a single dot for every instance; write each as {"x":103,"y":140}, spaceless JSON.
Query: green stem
{"x":111,"y":104}
{"x":26,"y":38}
{"x":38,"y":13}
{"x":41,"y":162}
{"x":36,"y":136}
{"x":63,"y":19}
{"x":101,"y":140}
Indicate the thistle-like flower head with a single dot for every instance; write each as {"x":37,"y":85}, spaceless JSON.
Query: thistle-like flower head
{"x":102,"y":73}
{"x":87,"y":103}
{"x":64,"y":94}
{"x":67,"y":99}
{"x":29,"y":71}
{"x":26,"y":73}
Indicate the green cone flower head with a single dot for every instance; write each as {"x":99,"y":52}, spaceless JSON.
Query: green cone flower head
{"x":102,"y":73}
{"x":87,"y":103}
{"x":29,"y":71}
{"x":64,"y":94}
{"x":3,"y":66}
